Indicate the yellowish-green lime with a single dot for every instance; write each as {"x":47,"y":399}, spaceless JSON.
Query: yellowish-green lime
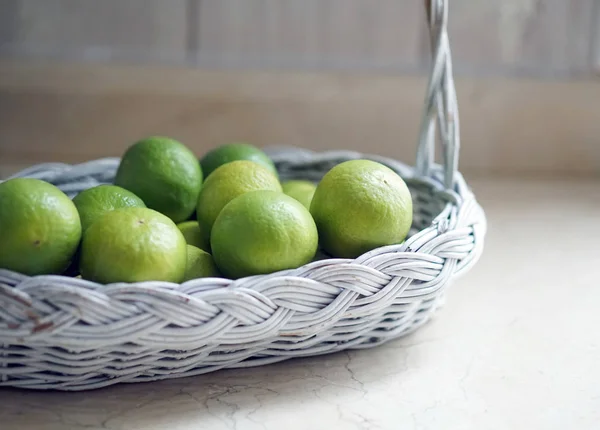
{"x":302,"y":191}
{"x":133,"y":245}
{"x":200,"y":264}
{"x":40,"y":228}
{"x":232,"y":152}
{"x":229,"y":181}
{"x":164,"y":173}
{"x":262,"y":232}
{"x":95,"y":202}
{"x":194,"y":235}
{"x":360,"y":205}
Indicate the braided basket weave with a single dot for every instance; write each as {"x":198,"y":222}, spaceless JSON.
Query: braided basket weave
{"x":65,"y":333}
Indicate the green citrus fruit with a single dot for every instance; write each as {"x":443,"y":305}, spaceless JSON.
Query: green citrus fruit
{"x":262,"y":232}
{"x":164,"y":173}
{"x":302,"y":191}
{"x":133,"y":245}
{"x":95,"y":202}
{"x":235,"y":151}
{"x":194,"y":235}
{"x":360,"y":205}
{"x":200,"y":264}
{"x":40,"y":228}
{"x":229,"y":181}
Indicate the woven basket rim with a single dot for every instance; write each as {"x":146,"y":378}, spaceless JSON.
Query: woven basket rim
{"x":282,"y":155}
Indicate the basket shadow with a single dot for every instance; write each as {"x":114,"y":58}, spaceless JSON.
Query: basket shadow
{"x":221,"y":397}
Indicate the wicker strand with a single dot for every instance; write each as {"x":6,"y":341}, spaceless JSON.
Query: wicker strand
{"x":441,"y":103}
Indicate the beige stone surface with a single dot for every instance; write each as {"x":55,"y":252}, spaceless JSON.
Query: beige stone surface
{"x":516,"y":347}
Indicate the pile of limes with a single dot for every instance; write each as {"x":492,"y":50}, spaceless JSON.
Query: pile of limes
{"x":170,"y":217}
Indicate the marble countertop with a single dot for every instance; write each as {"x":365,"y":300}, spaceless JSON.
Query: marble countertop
{"x":517,"y":346}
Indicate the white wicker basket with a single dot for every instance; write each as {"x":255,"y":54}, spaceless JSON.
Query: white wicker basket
{"x":64,"y":333}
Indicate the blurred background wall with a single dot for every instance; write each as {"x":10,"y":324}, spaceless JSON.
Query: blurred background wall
{"x":82,"y":79}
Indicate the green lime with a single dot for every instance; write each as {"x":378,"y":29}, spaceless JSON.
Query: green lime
{"x":194,"y":235}
{"x":235,"y":151}
{"x":133,"y":245}
{"x":200,"y":264}
{"x":302,"y":191}
{"x":263,"y":232}
{"x":95,"y":202}
{"x":229,"y":181}
{"x":40,"y":228}
{"x":164,"y":173}
{"x":360,"y":205}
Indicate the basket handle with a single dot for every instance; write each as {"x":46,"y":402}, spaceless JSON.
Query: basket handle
{"x":440,"y":101}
